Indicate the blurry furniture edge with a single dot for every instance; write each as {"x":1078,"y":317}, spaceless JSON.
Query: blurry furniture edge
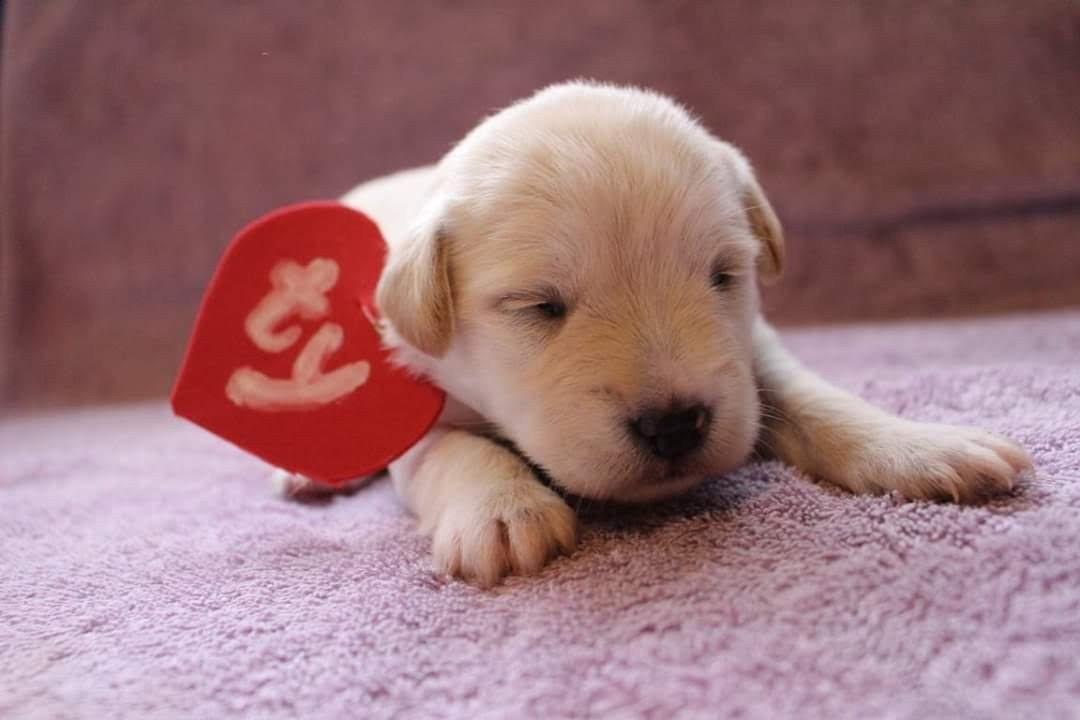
{"x":924,"y":158}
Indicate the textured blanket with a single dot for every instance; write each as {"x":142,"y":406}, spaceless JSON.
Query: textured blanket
{"x":147,"y":570}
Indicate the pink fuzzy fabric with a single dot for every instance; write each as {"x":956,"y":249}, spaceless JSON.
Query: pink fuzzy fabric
{"x":148,"y":571}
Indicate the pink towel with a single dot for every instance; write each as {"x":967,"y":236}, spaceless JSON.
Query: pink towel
{"x":148,"y":571}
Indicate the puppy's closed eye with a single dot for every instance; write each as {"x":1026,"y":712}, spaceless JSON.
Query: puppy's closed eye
{"x":552,"y":309}
{"x":721,"y":279}
{"x":731,"y":267}
{"x":544,"y":307}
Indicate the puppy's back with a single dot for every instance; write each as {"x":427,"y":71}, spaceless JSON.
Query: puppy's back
{"x":393,"y":201}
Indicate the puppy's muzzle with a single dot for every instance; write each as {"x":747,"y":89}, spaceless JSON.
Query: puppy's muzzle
{"x":673,"y":431}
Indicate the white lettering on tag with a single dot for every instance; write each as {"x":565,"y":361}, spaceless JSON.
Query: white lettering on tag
{"x":297,"y":290}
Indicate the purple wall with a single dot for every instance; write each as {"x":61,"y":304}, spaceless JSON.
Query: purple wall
{"x":925,"y":157}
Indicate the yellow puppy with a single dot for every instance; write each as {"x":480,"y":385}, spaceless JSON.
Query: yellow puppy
{"x":581,"y":274}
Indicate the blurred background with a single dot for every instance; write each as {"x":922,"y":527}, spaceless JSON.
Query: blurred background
{"x":924,"y":156}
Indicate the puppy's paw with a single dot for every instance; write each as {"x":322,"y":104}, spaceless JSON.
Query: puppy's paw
{"x":515,"y":528}
{"x":940,"y":462}
{"x":289,"y":484}
{"x":300,"y":487}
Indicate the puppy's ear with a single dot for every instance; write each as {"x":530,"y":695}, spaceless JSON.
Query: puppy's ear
{"x":414,"y":291}
{"x":763,"y":221}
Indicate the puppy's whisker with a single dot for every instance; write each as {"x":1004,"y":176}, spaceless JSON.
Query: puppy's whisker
{"x":775,"y":414}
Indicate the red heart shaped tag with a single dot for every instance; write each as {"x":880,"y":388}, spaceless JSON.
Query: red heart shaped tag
{"x":284,"y":360}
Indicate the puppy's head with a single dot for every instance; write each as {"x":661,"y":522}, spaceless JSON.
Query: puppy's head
{"x":585,"y":277}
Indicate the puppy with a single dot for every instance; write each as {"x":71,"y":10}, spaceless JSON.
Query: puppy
{"x":580,"y":274}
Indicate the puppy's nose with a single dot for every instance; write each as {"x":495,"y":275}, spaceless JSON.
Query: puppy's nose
{"x":672,"y":432}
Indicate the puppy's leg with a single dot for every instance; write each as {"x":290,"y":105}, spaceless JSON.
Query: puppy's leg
{"x":838,"y":437}
{"x":486,"y":513}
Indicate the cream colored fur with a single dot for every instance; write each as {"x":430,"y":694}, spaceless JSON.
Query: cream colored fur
{"x":617,"y":204}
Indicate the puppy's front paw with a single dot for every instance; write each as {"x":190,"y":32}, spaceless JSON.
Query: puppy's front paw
{"x":513,"y":528}
{"x":941,"y":462}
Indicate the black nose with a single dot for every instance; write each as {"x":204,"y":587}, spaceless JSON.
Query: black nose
{"x":672,"y":432}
